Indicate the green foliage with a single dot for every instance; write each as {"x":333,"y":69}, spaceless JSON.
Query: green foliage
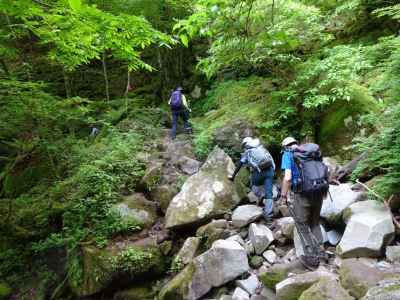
{"x":383,"y":152}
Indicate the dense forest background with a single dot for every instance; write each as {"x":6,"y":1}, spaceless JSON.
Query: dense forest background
{"x":327,"y":71}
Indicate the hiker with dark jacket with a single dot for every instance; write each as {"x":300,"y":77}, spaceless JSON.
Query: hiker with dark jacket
{"x":305,"y":182}
{"x":179,"y":108}
{"x":262,"y":169}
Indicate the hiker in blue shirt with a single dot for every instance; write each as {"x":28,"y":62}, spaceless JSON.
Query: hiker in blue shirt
{"x":179,"y":108}
{"x":306,"y":209}
{"x":262,"y":168}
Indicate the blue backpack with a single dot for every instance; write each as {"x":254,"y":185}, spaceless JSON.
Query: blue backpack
{"x":176,"y":100}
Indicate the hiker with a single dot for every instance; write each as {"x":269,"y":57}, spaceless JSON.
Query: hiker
{"x":305,"y":182}
{"x":179,"y":108}
{"x":262,"y":169}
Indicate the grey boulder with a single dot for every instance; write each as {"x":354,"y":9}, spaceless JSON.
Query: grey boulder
{"x":369,"y":228}
{"x":245,"y":214}
{"x":240,"y":294}
{"x":260,"y":236}
{"x":250,"y":284}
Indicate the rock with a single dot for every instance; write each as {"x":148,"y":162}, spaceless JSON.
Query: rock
{"x":137,"y":209}
{"x":393,"y":253}
{"x":286,"y":225}
{"x":135,"y":293}
{"x":252,"y":197}
{"x":240,"y":294}
{"x":188,"y":250}
{"x":189,"y":165}
{"x":261,"y":237}
{"x":206,"y":194}
{"x":358,"y":275}
{"x":196,"y":93}
{"x":225,"y":261}
{"x":163,"y":194}
{"x":215,"y":230}
{"x":257,"y":297}
{"x":152,"y":175}
{"x":250,"y":284}
{"x":245,"y":214}
{"x":256,"y":261}
{"x":249,"y":248}
{"x":292,"y":287}
{"x":270,"y":256}
{"x":343,"y":196}
{"x":388,"y":289}
{"x":369,"y":228}
{"x":225,"y":297}
{"x":334,"y":237}
{"x":326,"y":289}
{"x":268,"y":294}
{"x":290,"y":256}
{"x":284,"y":210}
{"x":333,"y":166}
{"x":237,"y":238}
{"x":117,"y":262}
{"x":279,"y":272}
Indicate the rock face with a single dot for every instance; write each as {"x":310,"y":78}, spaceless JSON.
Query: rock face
{"x":136,"y":208}
{"x":286,"y":225}
{"x":343,"y":196}
{"x":225,"y":261}
{"x":369,"y":228}
{"x":245,"y":214}
{"x":206,"y":194}
{"x":326,"y":289}
{"x":122,"y":263}
{"x":260,"y":236}
{"x":292,"y":287}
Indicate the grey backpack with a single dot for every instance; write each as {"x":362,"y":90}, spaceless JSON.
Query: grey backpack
{"x":260,"y":159}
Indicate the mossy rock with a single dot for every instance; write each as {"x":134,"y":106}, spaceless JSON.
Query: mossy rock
{"x":130,"y":263}
{"x":5,"y":290}
{"x":177,"y":288}
{"x":256,"y":261}
{"x":279,"y":272}
{"x":135,"y":293}
{"x":339,"y":125}
{"x":326,"y":289}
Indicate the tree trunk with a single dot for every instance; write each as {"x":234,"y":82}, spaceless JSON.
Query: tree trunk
{"x":67,"y":84}
{"x":272,"y":11}
{"x":128,"y":83}
{"x":103,"y":60}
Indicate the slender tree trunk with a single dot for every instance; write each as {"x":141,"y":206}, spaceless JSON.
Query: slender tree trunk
{"x":67,"y":85}
{"x":103,"y":60}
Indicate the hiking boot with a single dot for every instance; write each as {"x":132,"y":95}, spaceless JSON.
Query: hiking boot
{"x":323,"y":256}
{"x":310,"y":262}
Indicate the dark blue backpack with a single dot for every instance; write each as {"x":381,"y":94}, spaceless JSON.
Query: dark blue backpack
{"x":176,"y":100}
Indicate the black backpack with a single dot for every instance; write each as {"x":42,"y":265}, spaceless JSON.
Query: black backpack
{"x":314,"y":176}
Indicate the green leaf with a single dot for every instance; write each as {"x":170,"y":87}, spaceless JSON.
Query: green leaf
{"x":75,"y":4}
{"x":184,"y":40}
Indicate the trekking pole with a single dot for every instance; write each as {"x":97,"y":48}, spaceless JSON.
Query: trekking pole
{"x":330,"y":196}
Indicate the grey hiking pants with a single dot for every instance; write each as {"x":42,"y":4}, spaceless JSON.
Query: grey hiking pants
{"x":307,"y":211}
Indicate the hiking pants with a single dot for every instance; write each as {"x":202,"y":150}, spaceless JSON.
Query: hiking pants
{"x":185,"y":117}
{"x":307,"y":211}
{"x":264,"y":178}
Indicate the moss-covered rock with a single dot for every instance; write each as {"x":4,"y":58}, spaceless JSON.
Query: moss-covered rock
{"x":279,"y":272}
{"x":101,"y":267}
{"x":5,"y":290}
{"x":326,"y":289}
{"x":135,"y":293}
{"x":178,"y":287}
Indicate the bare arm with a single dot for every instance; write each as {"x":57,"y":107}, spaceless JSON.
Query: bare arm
{"x":287,"y":178}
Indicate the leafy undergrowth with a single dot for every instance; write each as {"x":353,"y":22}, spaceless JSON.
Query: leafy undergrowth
{"x":67,"y":204}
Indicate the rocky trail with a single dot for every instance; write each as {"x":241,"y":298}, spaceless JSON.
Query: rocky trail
{"x":208,"y":235}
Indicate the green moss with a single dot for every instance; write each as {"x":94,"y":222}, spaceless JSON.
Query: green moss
{"x":5,"y":291}
{"x":178,"y":287}
{"x":273,"y":276}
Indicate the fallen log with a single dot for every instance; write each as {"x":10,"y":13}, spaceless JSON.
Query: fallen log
{"x":347,"y":169}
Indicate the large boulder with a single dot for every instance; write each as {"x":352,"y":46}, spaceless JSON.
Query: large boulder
{"x":207,"y":194}
{"x":126,"y":262}
{"x":326,"y":289}
{"x":286,"y":226}
{"x":292,"y":287}
{"x":188,"y":251}
{"x":342,"y":197}
{"x":260,"y":236}
{"x":250,"y":285}
{"x":245,"y":214}
{"x":137,"y":209}
{"x":369,"y":228}
{"x":188,"y":165}
{"x":215,"y":230}
{"x":163,"y":194}
{"x":358,"y":275}
{"x":393,"y":253}
{"x":225,"y":261}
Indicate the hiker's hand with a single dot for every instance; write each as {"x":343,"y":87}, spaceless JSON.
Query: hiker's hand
{"x":284,"y":199}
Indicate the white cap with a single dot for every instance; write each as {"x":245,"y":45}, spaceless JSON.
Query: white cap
{"x":249,"y":142}
{"x":289,"y":140}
